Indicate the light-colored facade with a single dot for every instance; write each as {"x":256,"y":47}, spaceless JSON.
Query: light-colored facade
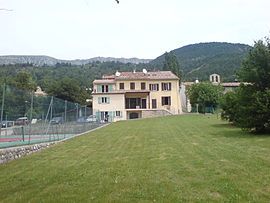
{"x":129,"y":95}
{"x":214,"y":78}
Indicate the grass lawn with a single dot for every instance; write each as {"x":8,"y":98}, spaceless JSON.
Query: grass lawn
{"x":171,"y":159}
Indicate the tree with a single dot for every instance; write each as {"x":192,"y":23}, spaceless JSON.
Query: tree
{"x":24,"y":81}
{"x":205,"y":94}
{"x":171,"y":63}
{"x":256,"y":67}
{"x":68,"y":89}
{"x":230,"y":106}
{"x":251,"y":109}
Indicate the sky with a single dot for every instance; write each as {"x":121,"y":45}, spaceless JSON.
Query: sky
{"x":81,"y":29}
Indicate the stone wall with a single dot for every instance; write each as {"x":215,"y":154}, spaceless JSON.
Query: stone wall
{"x":17,"y":152}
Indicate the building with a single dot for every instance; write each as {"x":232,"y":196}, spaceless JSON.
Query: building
{"x":130,"y":95}
{"x":214,"y":79}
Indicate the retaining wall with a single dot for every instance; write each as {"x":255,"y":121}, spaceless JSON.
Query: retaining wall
{"x":17,"y":152}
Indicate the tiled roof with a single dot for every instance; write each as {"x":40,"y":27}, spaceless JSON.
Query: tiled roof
{"x":157,"y":75}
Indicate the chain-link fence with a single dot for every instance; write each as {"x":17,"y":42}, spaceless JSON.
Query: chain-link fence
{"x":27,"y":118}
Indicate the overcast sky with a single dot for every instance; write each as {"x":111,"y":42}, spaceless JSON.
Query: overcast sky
{"x":70,"y":29}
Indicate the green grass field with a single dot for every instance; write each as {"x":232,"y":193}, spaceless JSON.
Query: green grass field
{"x":171,"y":159}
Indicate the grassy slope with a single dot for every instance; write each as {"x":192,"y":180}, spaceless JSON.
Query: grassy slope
{"x":184,"y":158}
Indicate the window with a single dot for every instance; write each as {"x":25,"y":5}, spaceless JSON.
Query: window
{"x":118,"y":113}
{"x":104,"y":88}
{"x":133,"y":103}
{"x":166,"y":86}
{"x":142,"y":85}
{"x":166,"y":101}
{"x":154,"y":87}
{"x":154,"y":103}
{"x":132,"y":85}
{"x":121,"y":86}
{"x":103,"y":100}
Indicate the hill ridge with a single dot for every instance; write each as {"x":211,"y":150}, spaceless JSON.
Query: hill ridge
{"x":201,"y":59}
{"x":40,"y":60}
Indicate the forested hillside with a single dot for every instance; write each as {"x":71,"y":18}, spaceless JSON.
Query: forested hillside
{"x":201,"y":60}
{"x":197,"y":61}
{"x":44,"y":76}
{"x":64,"y":81}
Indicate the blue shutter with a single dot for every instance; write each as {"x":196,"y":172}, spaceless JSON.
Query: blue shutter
{"x":108,"y":100}
{"x":110,"y":116}
{"x":113,"y":114}
{"x":98,"y":116}
{"x":99,"y":88}
{"x":110,"y":88}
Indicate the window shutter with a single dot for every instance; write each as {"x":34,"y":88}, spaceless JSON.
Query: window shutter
{"x":98,"y":116}
{"x":99,"y":100}
{"x":110,"y":116}
{"x":121,"y":114}
{"x":108,"y":100}
{"x":110,"y":88}
{"x":99,"y":88}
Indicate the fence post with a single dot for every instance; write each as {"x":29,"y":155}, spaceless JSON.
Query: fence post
{"x":6,"y":125}
{"x":3,"y":102}
{"x":77,"y":110}
{"x":31,"y":116}
{"x":22,"y":133}
{"x":65,"y":111}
